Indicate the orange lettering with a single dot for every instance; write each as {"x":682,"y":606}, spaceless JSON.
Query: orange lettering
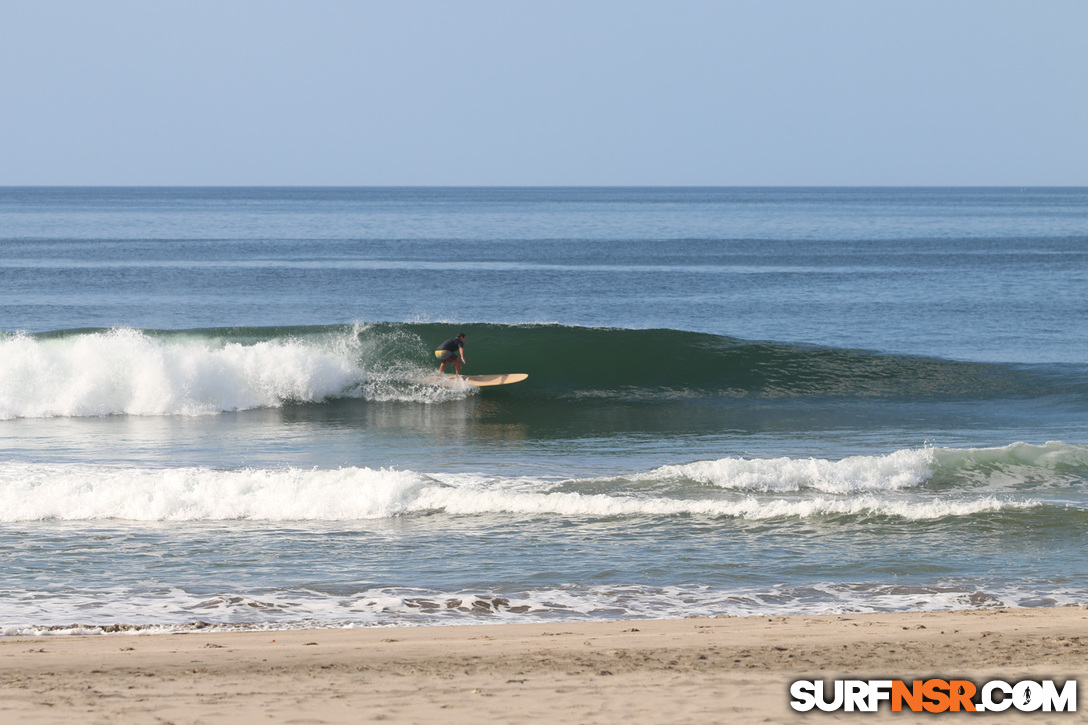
{"x":912,"y":695}
{"x":961,"y":692}
{"x":935,"y":690}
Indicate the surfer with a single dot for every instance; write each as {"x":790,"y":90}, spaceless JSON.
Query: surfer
{"x":453,"y":350}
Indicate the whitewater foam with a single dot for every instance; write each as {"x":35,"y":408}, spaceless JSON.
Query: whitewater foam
{"x":30,"y":492}
{"x":601,"y":506}
{"x":126,"y":371}
{"x":132,"y":372}
{"x":80,"y":492}
{"x":894,"y":471}
{"x":91,"y":612}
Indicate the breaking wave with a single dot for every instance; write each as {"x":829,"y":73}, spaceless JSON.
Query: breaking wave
{"x":920,"y":484}
{"x":79,"y":373}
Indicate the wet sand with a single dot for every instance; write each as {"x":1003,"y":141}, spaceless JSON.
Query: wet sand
{"x":698,"y":670}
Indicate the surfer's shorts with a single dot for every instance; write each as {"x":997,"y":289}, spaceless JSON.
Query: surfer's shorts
{"x":445,"y":355}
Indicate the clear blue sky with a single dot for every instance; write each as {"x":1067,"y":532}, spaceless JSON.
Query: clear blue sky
{"x":548,"y":92}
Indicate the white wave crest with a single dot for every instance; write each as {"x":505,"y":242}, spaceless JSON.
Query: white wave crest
{"x":79,"y":492}
{"x":128,"y":372}
{"x":461,"y":501}
{"x":894,"y":471}
{"x":31,"y":492}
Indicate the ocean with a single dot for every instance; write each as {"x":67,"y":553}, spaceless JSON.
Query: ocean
{"x":214,"y":410}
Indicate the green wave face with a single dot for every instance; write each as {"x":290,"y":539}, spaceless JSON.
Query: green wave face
{"x":660,"y":363}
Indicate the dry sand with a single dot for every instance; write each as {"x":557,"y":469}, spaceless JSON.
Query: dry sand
{"x":720,"y":670}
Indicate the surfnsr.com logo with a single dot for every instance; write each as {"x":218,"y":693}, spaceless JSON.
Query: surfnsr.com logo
{"x":934,"y":695}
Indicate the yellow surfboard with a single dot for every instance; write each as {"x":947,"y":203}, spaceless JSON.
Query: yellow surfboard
{"x":480,"y":381}
{"x":498,"y":379}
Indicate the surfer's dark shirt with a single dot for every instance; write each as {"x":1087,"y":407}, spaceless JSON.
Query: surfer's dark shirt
{"x":453,"y":344}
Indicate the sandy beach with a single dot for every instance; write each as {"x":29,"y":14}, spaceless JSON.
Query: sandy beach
{"x":698,"y":670}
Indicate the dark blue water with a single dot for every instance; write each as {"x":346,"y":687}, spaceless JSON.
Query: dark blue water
{"x":211,"y":404}
{"x":981,"y":274}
